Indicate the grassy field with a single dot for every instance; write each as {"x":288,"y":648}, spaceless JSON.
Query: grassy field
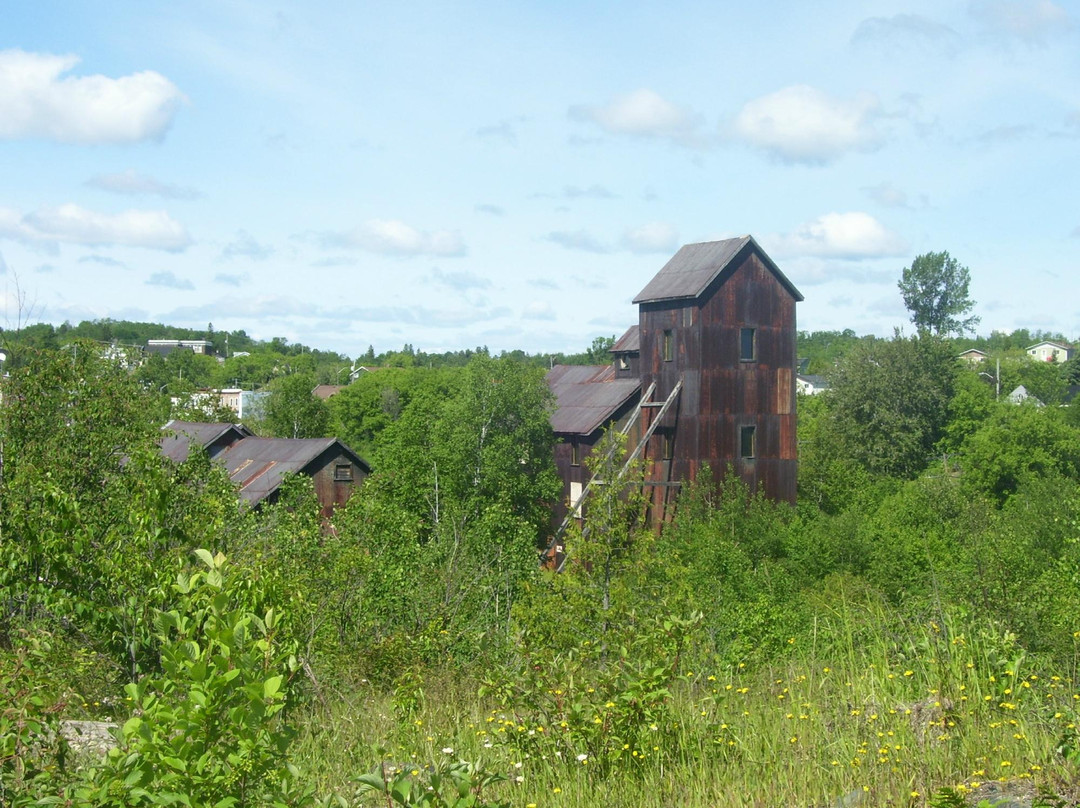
{"x":875,"y":725}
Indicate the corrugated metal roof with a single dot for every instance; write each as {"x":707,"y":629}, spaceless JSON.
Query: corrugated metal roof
{"x":257,"y":465}
{"x":630,"y":342}
{"x":695,"y":266}
{"x":177,"y":446}
{"x":587,"y":396}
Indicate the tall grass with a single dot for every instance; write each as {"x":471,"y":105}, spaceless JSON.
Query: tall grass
{"x":851,"y":716}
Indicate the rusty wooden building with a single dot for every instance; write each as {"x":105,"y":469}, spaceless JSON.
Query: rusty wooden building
{"x":707,"y":376}
{"x":258,"y":466}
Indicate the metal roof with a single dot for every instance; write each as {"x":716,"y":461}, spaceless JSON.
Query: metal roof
{"x":630,"y":342}
{"x":177,"y":446}
{"x":258,"y":465}
{"x":587,"y":396}
{"x":690,"y":271}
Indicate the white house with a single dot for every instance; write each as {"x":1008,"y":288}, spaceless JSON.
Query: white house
{"x":1047,"y":351}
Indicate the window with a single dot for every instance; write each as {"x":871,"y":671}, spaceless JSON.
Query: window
{"x":576,"y":489}
{"x":575,"y":453}
{"x":748,"y":345}
{"x":668,"y":439}
{"x":343,"y":473}
{"x":669,"y":345}
{"x":747,"y":442}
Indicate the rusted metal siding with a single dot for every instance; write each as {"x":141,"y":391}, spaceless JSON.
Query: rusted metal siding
{"x":330,"y":491}
{"x":720,"y":393}
{"x":571,"y":473}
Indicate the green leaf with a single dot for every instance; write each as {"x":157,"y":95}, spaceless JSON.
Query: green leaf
{"x":206,"y":557}
{"x":271,"y":687}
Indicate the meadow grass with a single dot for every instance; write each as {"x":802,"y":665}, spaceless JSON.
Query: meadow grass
{"x":885,"y":722}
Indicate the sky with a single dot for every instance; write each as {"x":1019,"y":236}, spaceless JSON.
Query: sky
{"x":512,"y":174}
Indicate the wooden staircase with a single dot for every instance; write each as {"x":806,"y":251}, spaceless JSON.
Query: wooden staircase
{"x":551,"y":554}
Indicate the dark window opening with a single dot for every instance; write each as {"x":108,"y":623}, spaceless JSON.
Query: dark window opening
{"x":748,"y":345}
{"x":669,"y":345}
{"x":747,"y":441}
{"x":343,"y":473}
{"x":575,"y":455}
{"x":668,"y":445}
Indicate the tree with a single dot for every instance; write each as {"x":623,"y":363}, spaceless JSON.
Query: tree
{"x":935,"y":290}
{"x":889,"y":402}
{"x":294,"y":411}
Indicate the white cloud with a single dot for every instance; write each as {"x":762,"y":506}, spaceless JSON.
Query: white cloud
{"x":459,"y":281}
{"x":245,"y":246}
{"x":802,"y":124}
{"x":849,"y":236}
{"x":902,"y":31}
{"x":132,"y":183}
{"x":654,"y":237}
{"x":538,"y":310}
{"x":232,"y":279}
{"x":38,"y":101}
{"x":644,"y":113}
{"x":72,"y":224}
{"x":393,"y":237}
{"x":888,"y":195}
{"x":169,"y":280}
{"x":1029,"y":20}
{"x":577,"y":240}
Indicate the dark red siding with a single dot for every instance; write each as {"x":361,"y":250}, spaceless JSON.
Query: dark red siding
{"x":720,"y":393}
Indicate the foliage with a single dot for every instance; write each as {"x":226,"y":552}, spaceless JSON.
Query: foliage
{"x":889,"y":402}
{"x":32,"y":752}
{"x":605,"y":705}
{"x":1016,"y":444}
{"x":294,"y":411}
{"x":207,"y":731}
{"x":460,"y":784}
{"x":935,"y":290}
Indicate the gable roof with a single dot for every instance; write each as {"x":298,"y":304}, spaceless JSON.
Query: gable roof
{"x":260,"y":465}
{"x":587,"y":396}
{"x":630,"y":342}
{"x":177,"y":446}
{"x":257,"y":465}
{"x":690,"y":271}
{"x":1050,"y":343}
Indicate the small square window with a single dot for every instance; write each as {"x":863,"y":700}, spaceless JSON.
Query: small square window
{"x":343,"y":473}
{"x":669,"y":345}
{"x":747,"y":442}
{"x":748,"y":345}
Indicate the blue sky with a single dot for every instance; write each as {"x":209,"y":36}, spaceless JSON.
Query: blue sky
{"x":511,"y":174}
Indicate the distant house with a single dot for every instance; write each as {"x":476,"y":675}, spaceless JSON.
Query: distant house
{"x":974,"y":356}
{"x":1047,"y":351}
{"x":707,"y":376}
{"x":810,"y":384}
{"x":258,"y":466}
{"x":325,"y":391}
{"x":245,"y":403}
{"x":1021,"y":396}
{"x":164,"y":347}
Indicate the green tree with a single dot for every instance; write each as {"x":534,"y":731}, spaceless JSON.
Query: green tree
{"x":294,"y":411}
{"x":889,"y":402}
{"x":935,"y":290}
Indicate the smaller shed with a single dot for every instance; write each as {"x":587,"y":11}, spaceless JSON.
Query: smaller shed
{"x":259,"y":466}
{"x":588,"y":399}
